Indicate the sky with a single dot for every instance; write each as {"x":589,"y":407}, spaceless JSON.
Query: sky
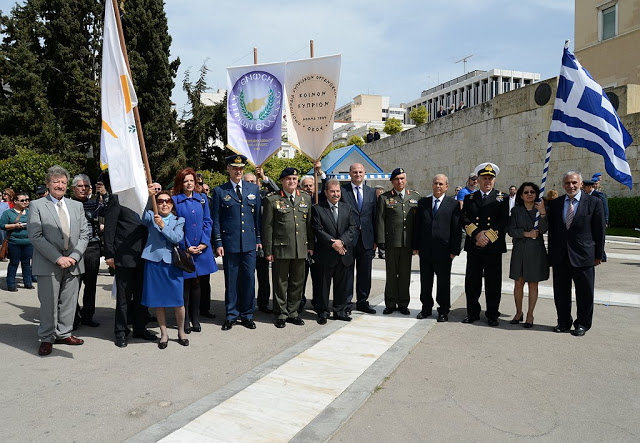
{"x":393,"y":48}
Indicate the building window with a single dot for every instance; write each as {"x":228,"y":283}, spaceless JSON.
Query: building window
{"x":385,"y":110}
{"x":608,"y":22}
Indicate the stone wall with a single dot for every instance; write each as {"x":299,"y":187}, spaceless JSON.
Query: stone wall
{"x":510,"y":131}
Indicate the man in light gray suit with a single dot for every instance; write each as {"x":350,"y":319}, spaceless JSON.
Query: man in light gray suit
{"x":59,"y":233}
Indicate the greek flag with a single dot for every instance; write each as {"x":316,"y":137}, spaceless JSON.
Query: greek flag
{"x":584,"y":117}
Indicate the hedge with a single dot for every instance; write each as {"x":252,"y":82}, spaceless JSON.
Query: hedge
{"x":624,"y":212}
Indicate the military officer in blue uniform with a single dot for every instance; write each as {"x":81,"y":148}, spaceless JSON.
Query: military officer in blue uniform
{"x":485,"y":214}
{"x":236,"y":237}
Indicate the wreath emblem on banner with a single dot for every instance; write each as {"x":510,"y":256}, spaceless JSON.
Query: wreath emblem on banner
{"x":266,"y":108}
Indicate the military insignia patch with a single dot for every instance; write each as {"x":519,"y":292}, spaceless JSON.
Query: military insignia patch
{"x":226,"y":198}
{"x":500,"y":196}
{"x":251,"y":196}
{"x":413,"y":201}
{"x":303,"y":205}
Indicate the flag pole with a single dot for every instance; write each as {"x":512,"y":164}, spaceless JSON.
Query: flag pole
{"x":315,"y":170}
{"x":136,"y":113}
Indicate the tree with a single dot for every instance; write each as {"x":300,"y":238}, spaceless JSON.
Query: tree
{"x":146,"y":34}
{"x":25,"y":170}
{"x":419,"y":115}
{"x":355,"y":140}
{"x":392,"y":126}
{"x":49,"y":60}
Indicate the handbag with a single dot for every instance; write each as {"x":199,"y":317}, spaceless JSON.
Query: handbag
{"x":181,"y":259}
{"x":4,"y":249}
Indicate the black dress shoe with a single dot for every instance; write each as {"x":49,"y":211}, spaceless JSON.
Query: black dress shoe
{"x":196,"y":328}
{"x":29,"y":287}
{"x":367,"y":309}
{"x":295,"y":321}
{"x":228,"y":324}
{"x":208,"y":314}
{"x":404,"y":311}
{"x":280,"y":323}
{"x":183,"y":341}
{"x":493,"y":322}
{"x":579,"y":331}
{"x":560,"y":328}
{"x":121,"y":341}
{"x":146,"y":335}
{"x":12,"y":289}
{"x":322,"y":320}
{"x":248,"y":323}
{"x":90,"y":322}
{"x":265,"y":309}
{"x":421,"y":316}
{"x":341,"y":317}
{"x":470,"y":319}
{"x":443,"y":318}
{"x":162,"y":344}
{"x":388,"y":311}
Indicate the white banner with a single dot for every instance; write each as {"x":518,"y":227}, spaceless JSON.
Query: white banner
{"x":119,"y":148}
{"x":254,"y":110}
{"x":311,"y":90}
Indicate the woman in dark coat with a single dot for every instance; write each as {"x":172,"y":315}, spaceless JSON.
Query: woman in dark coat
{"x":194,"y":208}
{"x":529,"y":261}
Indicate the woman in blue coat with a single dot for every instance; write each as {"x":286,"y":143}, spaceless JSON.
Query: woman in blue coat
{"x":194,"y":208}
{"x":163,"y":283}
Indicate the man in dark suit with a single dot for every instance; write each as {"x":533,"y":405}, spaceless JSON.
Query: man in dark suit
{"x":236,"y":237}
{"x":362,"y":200}
{"x":334,"y":225}
{"x":437,"y":237}
{"x":124,"y":240}
{"x":589,"y":187}
{"x":485,"y":215}
{"x":576,"y":244}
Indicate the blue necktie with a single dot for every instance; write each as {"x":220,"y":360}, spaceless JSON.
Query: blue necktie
{"x":359,"y":199}
{"x":435,"y":207}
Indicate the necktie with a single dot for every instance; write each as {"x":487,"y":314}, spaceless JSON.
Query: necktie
{"x":400,"y":196}
{"x":435,"y":207}
{"x":484,"y":196}
{"x":570,"y":214}
{"x":334,"y":210}
{"x":64,"y":224}
{"x":292,"y":200}
{"x":359,"y":199}
{"x":239,"y":192}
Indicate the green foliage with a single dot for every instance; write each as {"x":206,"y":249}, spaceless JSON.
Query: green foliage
{"x":146,"y":33}
{"x":355,"y":140}
{"x":214,"y":178}
{"x":392,"y":126}
{"x":274,"y":166}
{"x":624,"y":212}
{"x":26,"y":169}
{"x":419,"y":115}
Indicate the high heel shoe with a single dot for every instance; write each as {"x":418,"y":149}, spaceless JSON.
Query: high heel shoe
{"x":183,"y":341}
{"x":515,"y":321}
{"x":163,"y":344}
{"x":528,"y":325}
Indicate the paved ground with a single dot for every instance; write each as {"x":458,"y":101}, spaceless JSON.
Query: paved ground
{"x":451,"y":381}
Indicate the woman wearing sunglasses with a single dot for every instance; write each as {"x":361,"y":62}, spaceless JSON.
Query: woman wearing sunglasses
{"x":14,"y":222}
{"x":163,"y":282}
{"x":529,"y":261}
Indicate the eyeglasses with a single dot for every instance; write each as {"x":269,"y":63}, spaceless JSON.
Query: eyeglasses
{"x":24,"y":200}
{"x":162,"y":201}
{"x":528,"y":192}
{"x":83,"y":186}
{"x":157,"y":189}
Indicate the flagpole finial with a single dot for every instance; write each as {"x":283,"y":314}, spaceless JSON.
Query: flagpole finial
{"x":566,"y":44}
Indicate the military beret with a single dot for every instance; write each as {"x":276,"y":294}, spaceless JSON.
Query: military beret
{"x":236,"y":160}
{"x":287,"y":172}
{"x":396,"y":172}
{"x":487,"y":169}
{"x":597,"y":177}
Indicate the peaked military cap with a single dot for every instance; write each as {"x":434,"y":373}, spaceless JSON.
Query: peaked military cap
{"x":487,"y":169}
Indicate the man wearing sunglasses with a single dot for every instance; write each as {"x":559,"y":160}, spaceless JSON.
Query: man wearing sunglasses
{"x":470,"y":187}
{"x":93,"y":208}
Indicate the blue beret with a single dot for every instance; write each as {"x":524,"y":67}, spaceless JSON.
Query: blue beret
{"x":288,"y":171}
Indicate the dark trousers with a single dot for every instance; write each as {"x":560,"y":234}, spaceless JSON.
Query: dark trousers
{"x":442,"y":269}
{"x":240,"y":284}
{"x":264,"y":287}
{"x":339,"y":273}
{"x":19,"y":255}
{"x":288,"y":278}
{"x":398,"y":272}
{"x":488,"y":266}
{"x":205,"y":293}
{"x":128,"y":297}
{"x":90,"y":277}
{"x":583,"y":278}
{"x":362,"y":267}
{"x":191,"y":297}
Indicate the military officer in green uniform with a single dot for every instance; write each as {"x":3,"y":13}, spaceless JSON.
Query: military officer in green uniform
{"x":287,"y":240}
{"x":394,"y":233}
{"x":485,"y":214}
